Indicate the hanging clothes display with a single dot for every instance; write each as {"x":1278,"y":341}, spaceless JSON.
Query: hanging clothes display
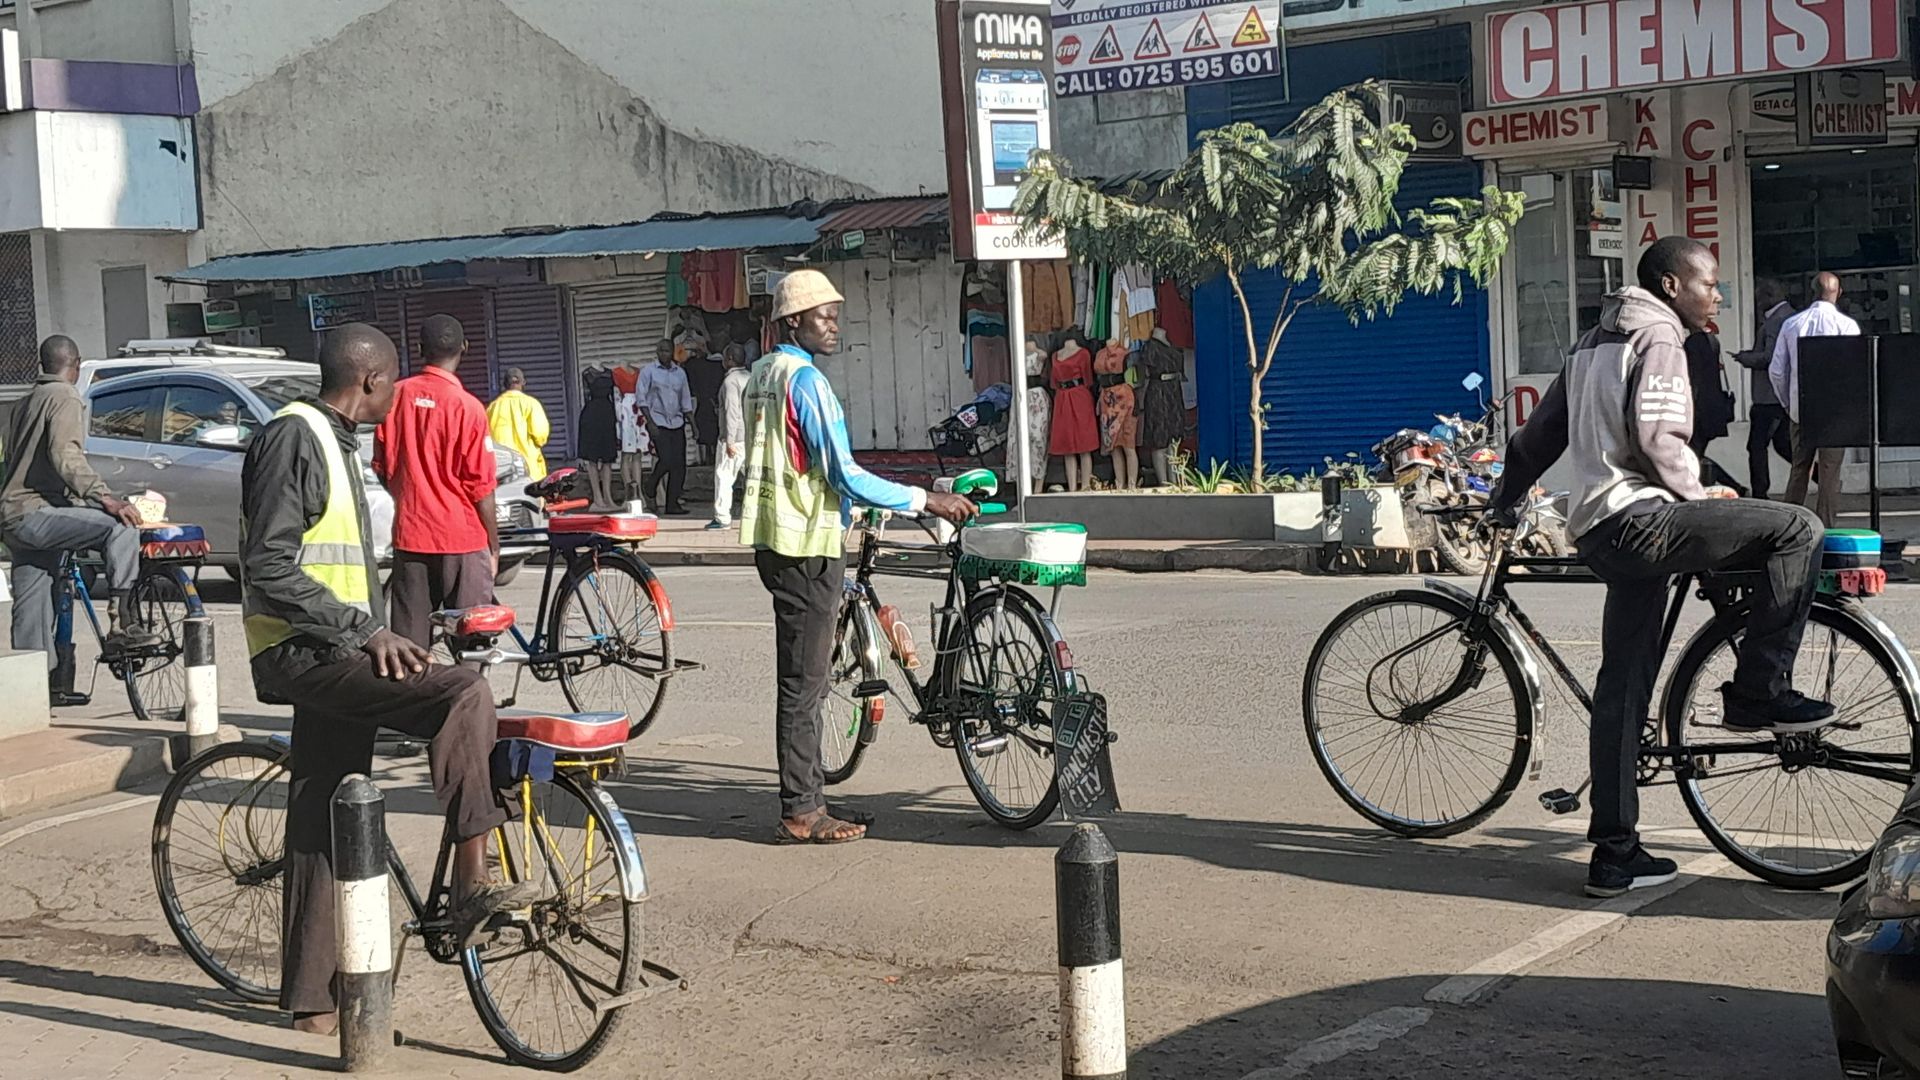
{"x":1039,"y":413}
{"x":599,"y":428}
{"x":1175,"y":314}
{"x":1133,"y":304}
{"x":711,"y":278}
{"x":1163,"y":406}
{"x":1075,"y":429}
{"x":1117,"y":424}
{"x":1049,"y":296}
{"x":676,"y":281}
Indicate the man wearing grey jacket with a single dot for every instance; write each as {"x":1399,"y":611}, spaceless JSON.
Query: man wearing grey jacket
{"x":1622,"y":412}
{"x":1769,"y":424}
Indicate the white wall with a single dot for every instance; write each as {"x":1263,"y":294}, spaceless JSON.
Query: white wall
{"x":72,"y":170}
{"x":846,"y":88}
{"x":74,"y":260}
{"x":137,"y":31}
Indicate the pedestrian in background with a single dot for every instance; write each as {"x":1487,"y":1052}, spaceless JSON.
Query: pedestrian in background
{"x":731,"y":455}
{"x":518,"y":422}
{"x":433,"y":455}
{"x":1712,"y":405}
{"x":1822,"y":318}
{"x":1769,"y":425}
{"x":667,"y":402}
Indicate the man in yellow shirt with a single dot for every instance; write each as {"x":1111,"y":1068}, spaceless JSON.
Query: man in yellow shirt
{"x":517,"y":422}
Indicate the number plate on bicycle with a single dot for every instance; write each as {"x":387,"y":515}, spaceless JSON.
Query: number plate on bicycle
{"x":1082,"y":760}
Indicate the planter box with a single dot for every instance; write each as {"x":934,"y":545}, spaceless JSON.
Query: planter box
{"x":1371,"y":517}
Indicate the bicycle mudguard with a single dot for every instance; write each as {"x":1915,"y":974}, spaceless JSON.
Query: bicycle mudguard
{"x":1529,"y":664}
{"x":626,"y":850}
{"x":657,"y":592}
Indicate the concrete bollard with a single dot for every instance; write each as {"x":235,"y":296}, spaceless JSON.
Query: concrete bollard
{"x":1093,"y":1009}
{"x":363,"y":924}
{"x":203,"y":685}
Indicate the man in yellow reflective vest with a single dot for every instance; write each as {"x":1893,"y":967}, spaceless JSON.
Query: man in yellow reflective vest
{"x":310,"y":597}
{"x":802,"y":483}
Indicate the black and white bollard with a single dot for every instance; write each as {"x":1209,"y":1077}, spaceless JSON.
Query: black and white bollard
{"x":363,"y":923}
{"x":203,"y":685}
{"x":1093,"y":1009}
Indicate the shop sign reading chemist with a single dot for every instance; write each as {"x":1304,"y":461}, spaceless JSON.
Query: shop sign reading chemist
{"x":997,"y":95}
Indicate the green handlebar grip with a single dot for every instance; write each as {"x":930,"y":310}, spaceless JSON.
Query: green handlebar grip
{"x":993,"y":508}
{"x":982,"y":481}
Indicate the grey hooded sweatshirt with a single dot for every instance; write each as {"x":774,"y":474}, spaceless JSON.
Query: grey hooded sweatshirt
{"x":1623,"y":410}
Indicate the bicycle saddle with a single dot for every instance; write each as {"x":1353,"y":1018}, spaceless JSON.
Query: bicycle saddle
{"x":618,"y":526}
{"x":552,"y":486}
{"x":475,"y":621}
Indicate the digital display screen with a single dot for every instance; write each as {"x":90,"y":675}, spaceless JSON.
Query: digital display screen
{"x":1014,"y":141}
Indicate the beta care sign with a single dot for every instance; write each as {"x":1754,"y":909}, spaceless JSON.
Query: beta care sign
{"x":1101,"y":46}
{"x":996,"y":91}
{"x":1569,"y":50}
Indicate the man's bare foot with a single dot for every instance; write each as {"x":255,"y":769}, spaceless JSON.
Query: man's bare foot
{"x":817,"y":828}
{"x":325,"y":1023}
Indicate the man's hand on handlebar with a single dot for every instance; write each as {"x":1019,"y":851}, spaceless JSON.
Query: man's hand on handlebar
{"x":395,"y":657}
{"x":120,"y":509}
{"x":955,"y":508}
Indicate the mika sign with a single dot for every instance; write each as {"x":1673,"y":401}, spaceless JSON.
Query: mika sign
{"x":1598,"y":47}
{"x":996,"y":71}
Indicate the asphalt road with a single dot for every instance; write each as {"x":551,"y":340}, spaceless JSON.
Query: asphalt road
{"x":1269,"y":932}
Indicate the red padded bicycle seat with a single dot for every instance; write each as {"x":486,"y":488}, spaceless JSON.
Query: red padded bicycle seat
{"x":468,"y":622}
{"x":618,"y":526}
{"x":169,"y":541}
{"x":573,"y":733}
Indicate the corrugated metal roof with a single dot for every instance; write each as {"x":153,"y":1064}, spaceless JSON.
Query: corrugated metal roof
{"x":888,"y":214}
{"x":660,"y":234}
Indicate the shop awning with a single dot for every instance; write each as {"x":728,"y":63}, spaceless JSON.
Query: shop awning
{"x":878,"y":214}
{"x":667,"y":234}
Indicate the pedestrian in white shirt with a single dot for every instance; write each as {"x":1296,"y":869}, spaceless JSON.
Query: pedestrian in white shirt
{"x":1820,"y":319}
{"x":732,"y":455}
{"x":667,"y":401}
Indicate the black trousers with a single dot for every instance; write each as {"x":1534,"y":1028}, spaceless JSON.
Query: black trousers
{"x":339,"y":707}
{"x":1637,"y":556}
{"x":669,"y":463}
{"x":1770,"y":428}
{"x":423,"y":584}
{"x":806,"y":605}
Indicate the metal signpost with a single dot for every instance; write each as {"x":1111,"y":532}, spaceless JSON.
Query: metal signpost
{"x":996,"y":91}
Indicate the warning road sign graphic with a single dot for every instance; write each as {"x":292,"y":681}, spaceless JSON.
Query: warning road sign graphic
{"x":1202,"y":38}
{"x":1252,"y":31}
{"x":1109,"y":50}
{"x":1153,"y":44}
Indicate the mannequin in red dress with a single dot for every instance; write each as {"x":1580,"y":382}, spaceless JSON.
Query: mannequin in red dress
{"x":1076,"y":428}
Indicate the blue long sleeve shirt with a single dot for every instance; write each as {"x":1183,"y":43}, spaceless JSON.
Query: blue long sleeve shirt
{"x":815,"y":416}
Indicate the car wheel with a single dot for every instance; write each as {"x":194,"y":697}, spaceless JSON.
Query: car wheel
{"x":508,"y":571}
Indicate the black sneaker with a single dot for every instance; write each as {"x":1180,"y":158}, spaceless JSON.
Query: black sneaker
{"x":1790,"y":712}
{"x":1608,"y":878}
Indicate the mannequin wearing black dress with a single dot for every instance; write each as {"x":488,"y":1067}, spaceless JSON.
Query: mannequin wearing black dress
{"x":599,"y":435}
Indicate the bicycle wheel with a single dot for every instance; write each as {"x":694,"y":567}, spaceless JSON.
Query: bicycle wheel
{"x":844,"y":716}
{"x":535,"y":985}
{"x":1423,"y":733}
{"x":157,"y":679}
{"x":1785,"y":808}
{"x":1001,"y":680}
{"x":218,"y":864}
{"x":605,"y":613}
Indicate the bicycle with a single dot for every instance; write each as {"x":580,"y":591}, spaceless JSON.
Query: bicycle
{"x":606,"y":632}
{"x":1424,"y":708}
{"x":218,"y":865}
{"x":164,"y":597}
{"x":1002,"y":668}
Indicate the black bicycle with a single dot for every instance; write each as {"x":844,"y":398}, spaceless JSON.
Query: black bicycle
{"x":1425,"y":706}
{"x":1001,"y":670}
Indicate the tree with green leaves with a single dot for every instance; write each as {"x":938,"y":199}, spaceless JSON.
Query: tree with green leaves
{"x":1314,"y":202}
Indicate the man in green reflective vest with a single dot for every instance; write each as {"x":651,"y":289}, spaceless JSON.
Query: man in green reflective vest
{"x":802,"y":483}
{"x":313,"y":618}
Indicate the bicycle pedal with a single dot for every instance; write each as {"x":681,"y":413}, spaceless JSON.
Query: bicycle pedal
{"x":408,"y":748}
{"x":872,"y":688}
{"x":987,"y":745}
{"x":1560,"y":801}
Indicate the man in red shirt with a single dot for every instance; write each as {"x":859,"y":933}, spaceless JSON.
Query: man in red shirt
{"x":432,"y":453}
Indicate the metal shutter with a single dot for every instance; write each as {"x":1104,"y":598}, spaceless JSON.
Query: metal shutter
{"x":615,"y":321}
{"x":529,"y":334}
{"x":1335,"y":387}
{"x":19,"y":337}
{"x":472,"y":308}
{"x":389,"y":314}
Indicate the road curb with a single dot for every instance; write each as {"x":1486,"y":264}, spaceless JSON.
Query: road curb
{"x":75,"y":770}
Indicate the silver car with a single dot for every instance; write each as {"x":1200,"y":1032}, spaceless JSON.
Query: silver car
{"x":182,"y":430}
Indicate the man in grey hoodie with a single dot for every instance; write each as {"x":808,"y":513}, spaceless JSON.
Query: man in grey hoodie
{"x":1622,"y":412}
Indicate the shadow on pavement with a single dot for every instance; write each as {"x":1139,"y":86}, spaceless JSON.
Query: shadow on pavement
{"x":1565,"y":1028}
{"x":187,"y":999}
{"x":1546,"y":867}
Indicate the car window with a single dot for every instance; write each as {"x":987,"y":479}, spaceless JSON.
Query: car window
{"x":121,"y":414}
{"x":192,"y":409}
{"x":278,"y":390}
